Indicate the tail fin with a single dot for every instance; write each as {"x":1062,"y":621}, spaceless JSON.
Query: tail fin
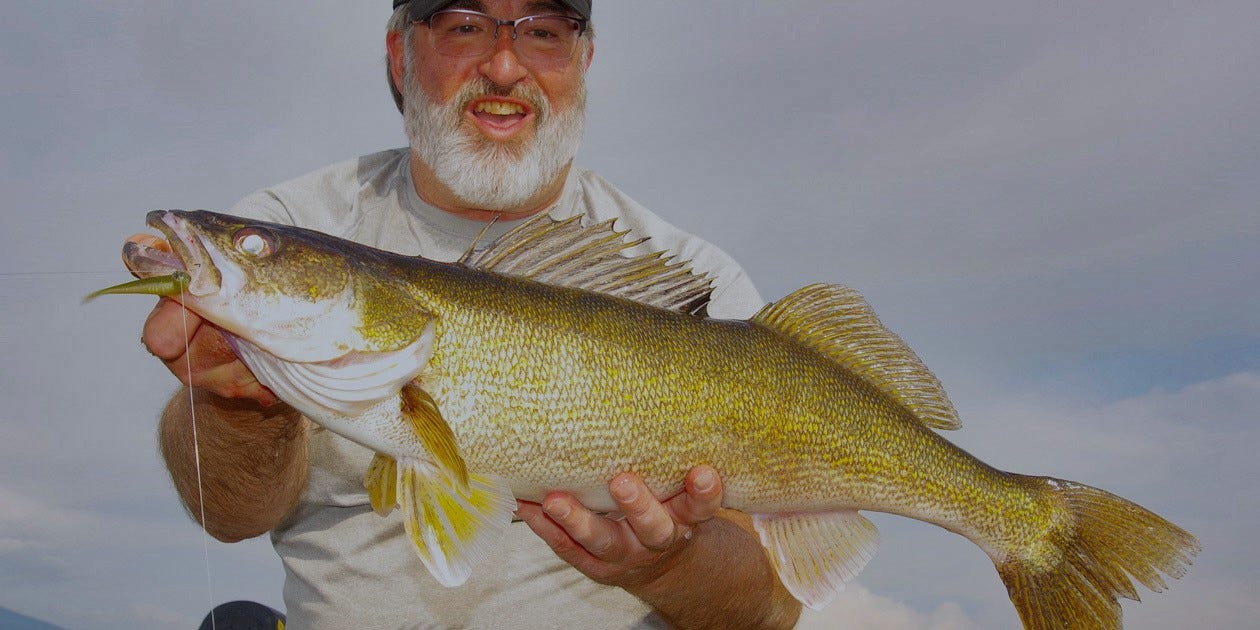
{"x":1106,"y":539}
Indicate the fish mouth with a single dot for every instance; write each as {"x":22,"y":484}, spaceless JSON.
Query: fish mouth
{"x":187,"y":254}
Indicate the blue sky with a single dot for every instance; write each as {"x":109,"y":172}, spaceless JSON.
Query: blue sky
{"x":1057,"y":206}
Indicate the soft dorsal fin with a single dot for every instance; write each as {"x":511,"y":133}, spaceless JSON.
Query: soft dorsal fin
{"x":566,"y":253}
{"x":837,"y":322}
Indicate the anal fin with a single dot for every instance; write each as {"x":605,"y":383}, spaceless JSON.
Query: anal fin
{"x":816,"y":554}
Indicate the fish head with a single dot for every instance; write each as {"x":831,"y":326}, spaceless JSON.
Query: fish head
{"x":299,"y":295}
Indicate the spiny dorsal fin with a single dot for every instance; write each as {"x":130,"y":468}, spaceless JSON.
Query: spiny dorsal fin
{"x":565,"y":253}
{"x":837,"y":322}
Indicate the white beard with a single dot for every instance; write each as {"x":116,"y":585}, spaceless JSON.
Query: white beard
{"x":481,"y":172}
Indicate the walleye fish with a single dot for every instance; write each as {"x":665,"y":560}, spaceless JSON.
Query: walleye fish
{"x":553,"y":360}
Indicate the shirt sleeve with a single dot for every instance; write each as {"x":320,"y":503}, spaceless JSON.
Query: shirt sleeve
{"x":263,"y":205}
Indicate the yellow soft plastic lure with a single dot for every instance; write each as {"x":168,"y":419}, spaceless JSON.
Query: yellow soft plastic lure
{"x":173,"y":284}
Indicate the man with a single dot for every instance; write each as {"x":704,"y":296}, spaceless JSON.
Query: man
{"x":494,"y":113}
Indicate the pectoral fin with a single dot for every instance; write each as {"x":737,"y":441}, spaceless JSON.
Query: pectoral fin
{"x":426,"y":419}
{"x":816,"y":554}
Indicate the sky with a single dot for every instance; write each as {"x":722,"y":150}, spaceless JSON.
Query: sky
{"x":1056,"y":204}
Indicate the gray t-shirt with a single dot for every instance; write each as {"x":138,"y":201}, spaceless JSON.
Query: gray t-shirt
{"x":347,"y":567}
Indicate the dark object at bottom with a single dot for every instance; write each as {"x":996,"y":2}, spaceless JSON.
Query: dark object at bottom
{"x":243,"y":615}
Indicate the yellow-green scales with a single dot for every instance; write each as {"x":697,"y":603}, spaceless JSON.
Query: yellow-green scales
{"x":552,"y":361}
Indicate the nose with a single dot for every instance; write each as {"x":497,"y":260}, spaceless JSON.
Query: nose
{"x":503,"y":67}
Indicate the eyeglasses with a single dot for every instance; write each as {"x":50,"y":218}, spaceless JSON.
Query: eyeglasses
{"x":465,"y":33}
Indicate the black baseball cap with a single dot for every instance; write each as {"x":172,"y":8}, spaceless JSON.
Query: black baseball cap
{"x":424,"y":8}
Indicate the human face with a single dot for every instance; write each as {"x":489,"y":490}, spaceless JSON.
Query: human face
{"x":484,"y":173}
{"x":498,"y":114}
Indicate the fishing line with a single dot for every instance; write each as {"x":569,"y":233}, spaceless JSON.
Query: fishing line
{"x":192,"y":412}
{"x":21,"y":274}
{"x":201,"y":497}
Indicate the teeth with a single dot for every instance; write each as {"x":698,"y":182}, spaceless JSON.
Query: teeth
{"x":500,"y":108}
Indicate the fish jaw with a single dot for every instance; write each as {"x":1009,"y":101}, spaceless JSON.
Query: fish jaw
{"x":147,"y":256}
{"x":187,"y":254}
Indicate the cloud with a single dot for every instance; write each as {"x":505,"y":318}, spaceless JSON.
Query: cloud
{"x":1203,"y":601}
{"x":124,"y":569}
{"x":857,"y":607}
{"x":37,"y":534}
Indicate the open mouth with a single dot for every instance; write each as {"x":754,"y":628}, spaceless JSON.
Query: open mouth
{"x":182,"y":251}
{"x":148,"y":256}
{"x":500,"y":117}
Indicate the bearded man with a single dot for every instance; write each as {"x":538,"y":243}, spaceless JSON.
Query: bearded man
{"x":492,"y":93}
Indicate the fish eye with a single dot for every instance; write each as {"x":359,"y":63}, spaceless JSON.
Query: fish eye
{"x":255,"y":242}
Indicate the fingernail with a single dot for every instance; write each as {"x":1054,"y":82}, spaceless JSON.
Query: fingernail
{"x":624,"y":490}
{"x":705,"y":480}
{"x":556,"y":509}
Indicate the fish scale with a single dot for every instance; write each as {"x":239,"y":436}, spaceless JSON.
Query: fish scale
{"x":477,"y":384}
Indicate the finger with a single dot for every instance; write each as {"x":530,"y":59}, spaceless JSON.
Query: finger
{"x":212,"y":364}
{"x":204,"y":359}
{"x":599,"y":536}
{"x":168,"y":329}
{"x":229,"y":380}
{"x":203,"y":350}
{"x":653,"y":525}
{"x":556,"y":537}
{"x":701,"y":498}
{"x":208,"y":349}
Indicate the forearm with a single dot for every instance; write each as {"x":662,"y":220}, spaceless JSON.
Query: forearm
{"x":722,"y":579}
{"x":252,"y":461}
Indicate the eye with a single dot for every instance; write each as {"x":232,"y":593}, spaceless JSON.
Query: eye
{"x":541,"y":33}
{"x":255,"y":242}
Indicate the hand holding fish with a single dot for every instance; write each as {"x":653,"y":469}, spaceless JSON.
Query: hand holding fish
{"x":654,"y":550}
{"x":194,"y":351}
{"x":632,"y":551}
{"x":236,"y":414}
